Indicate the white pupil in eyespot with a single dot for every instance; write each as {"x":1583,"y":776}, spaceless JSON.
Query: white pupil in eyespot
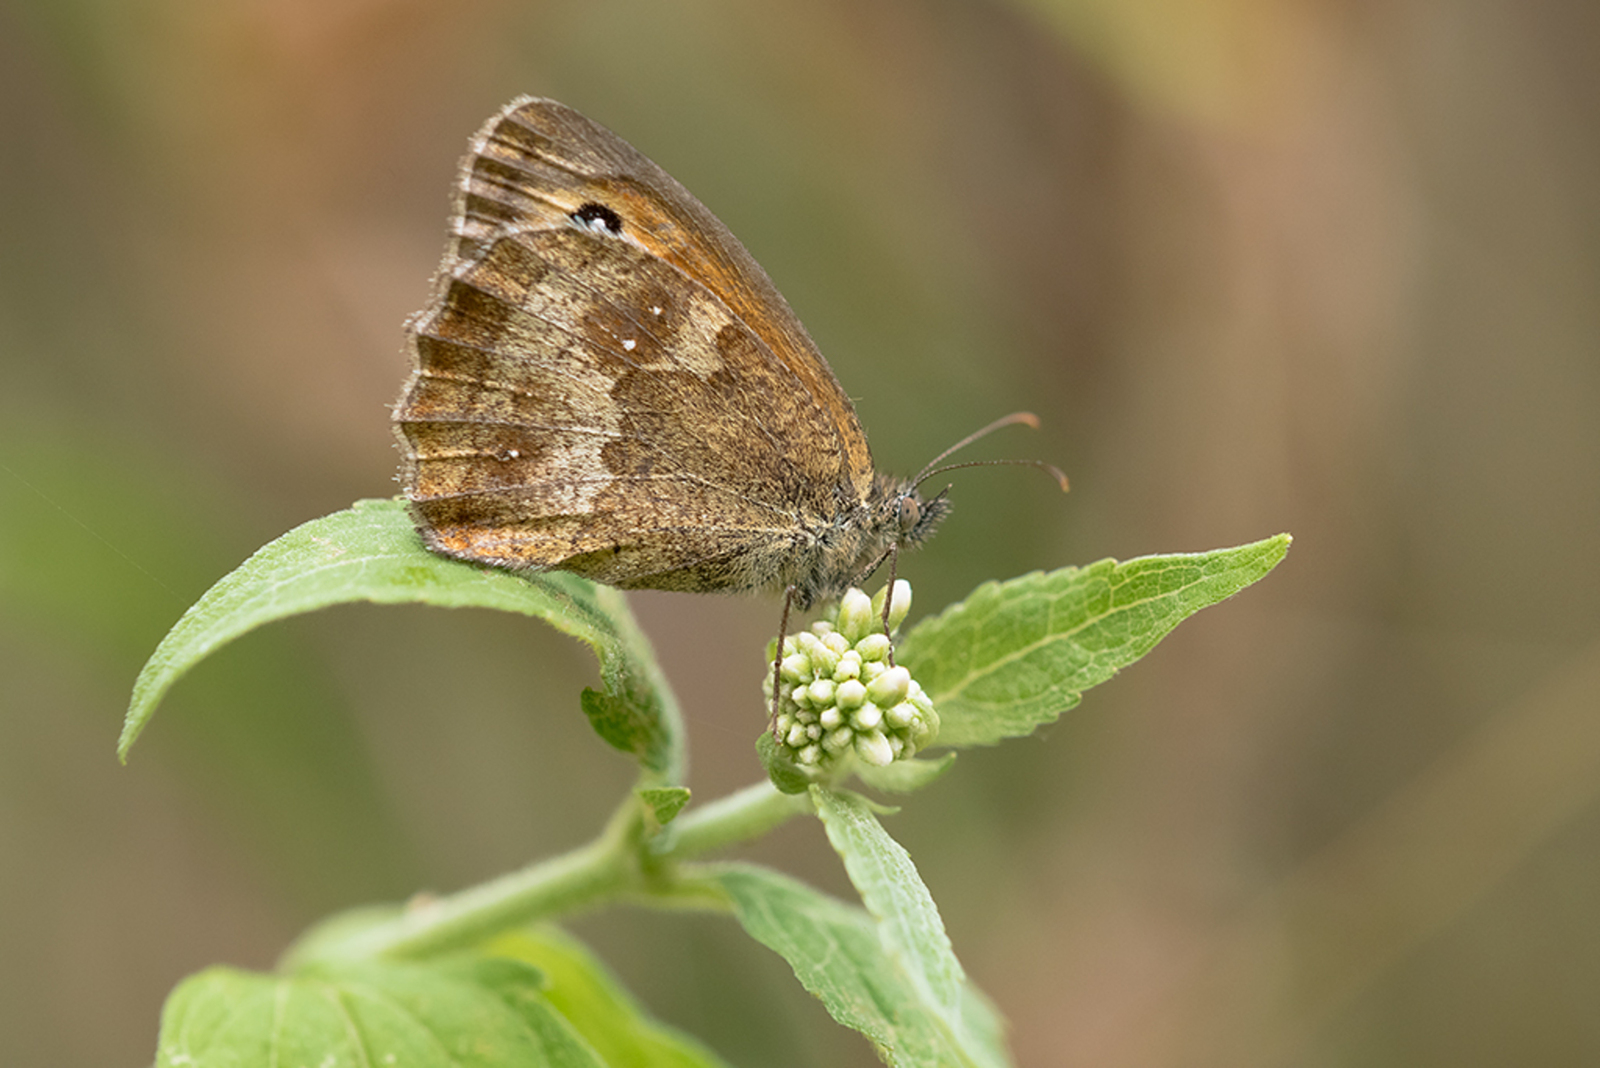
{"x":597,"y":217}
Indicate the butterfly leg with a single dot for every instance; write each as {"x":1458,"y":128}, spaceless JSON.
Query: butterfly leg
{"x":777,"y":659}
{"x":888,"y":595}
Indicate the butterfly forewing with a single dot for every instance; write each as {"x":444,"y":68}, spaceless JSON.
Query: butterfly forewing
{"x":607,"y":382}
{"x":545,"y":151}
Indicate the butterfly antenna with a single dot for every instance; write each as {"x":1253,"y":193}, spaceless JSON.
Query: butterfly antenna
{"x":1050,"y":469}
{"x":1026,"y":418}
{"x":892,"y":553}
{"x":1006,"y":420}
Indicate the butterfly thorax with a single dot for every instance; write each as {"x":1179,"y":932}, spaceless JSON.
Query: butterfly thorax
{"x":844,"y":550}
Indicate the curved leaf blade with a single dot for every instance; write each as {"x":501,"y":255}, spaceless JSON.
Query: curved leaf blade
{"x":908,"y":925}
{"x":371,"y":552}
{"x":1015,"y":655}
{"x":837,"y":954}
{"x":481,"y":1014}
{"x":598,"y":1006}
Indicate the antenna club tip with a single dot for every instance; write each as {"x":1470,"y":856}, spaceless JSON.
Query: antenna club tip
{"x":1027,"y":418}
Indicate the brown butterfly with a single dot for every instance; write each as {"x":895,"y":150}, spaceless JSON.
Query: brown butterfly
{"x":607,"y":383}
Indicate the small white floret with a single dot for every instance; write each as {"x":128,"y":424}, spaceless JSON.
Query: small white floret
{"x":903,"y":714}
{"x":855,"y":614}
{"x":874,"y":647}
{"x":874,"y":748}
{"x":849,"y":694}
{"x":891,"y":687}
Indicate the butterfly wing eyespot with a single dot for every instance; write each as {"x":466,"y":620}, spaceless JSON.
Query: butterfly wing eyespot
{"x":598,"y":217}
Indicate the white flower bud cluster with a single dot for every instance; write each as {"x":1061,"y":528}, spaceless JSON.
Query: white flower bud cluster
{"x":840,"y":694}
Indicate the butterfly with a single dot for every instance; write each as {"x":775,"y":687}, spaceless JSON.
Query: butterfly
{"x":605,"y":382}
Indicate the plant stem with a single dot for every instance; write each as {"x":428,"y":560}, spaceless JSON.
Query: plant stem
{"x":737,"y":817}
{"x":609,"y":867}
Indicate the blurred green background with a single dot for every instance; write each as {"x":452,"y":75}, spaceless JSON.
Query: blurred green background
{"x":1261,"y":265}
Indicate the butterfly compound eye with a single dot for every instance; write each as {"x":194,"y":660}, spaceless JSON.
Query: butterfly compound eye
{"x":597,"y":217}
{"x":910,"y":514}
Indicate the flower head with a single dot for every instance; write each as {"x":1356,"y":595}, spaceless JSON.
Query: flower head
{"x":841,"y":695}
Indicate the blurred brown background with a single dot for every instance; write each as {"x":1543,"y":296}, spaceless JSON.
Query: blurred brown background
{"x":1261,"y":265}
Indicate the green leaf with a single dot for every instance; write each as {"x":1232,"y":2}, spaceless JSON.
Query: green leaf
{"x":322,"y":941}
{"x":598,"y":1007}
{"x":613,"y":717}
{"x":837,"y":954}
{"x":487,"y":1013}
{"x":909,"y":926}
{"x":1017,"y":654}
{"x":371,"y":552}
{"x":665,"y":802}
{"x":882,"y":873}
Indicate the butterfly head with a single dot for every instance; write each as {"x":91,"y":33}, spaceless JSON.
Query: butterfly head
{"x":901,"y":517}
{"x":909,"y":519}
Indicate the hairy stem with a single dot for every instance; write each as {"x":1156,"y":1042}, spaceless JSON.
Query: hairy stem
{"x":621,"y":862}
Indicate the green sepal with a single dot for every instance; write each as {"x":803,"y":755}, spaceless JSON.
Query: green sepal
{"x":785,"y":774}
{"x":906,"y":776}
